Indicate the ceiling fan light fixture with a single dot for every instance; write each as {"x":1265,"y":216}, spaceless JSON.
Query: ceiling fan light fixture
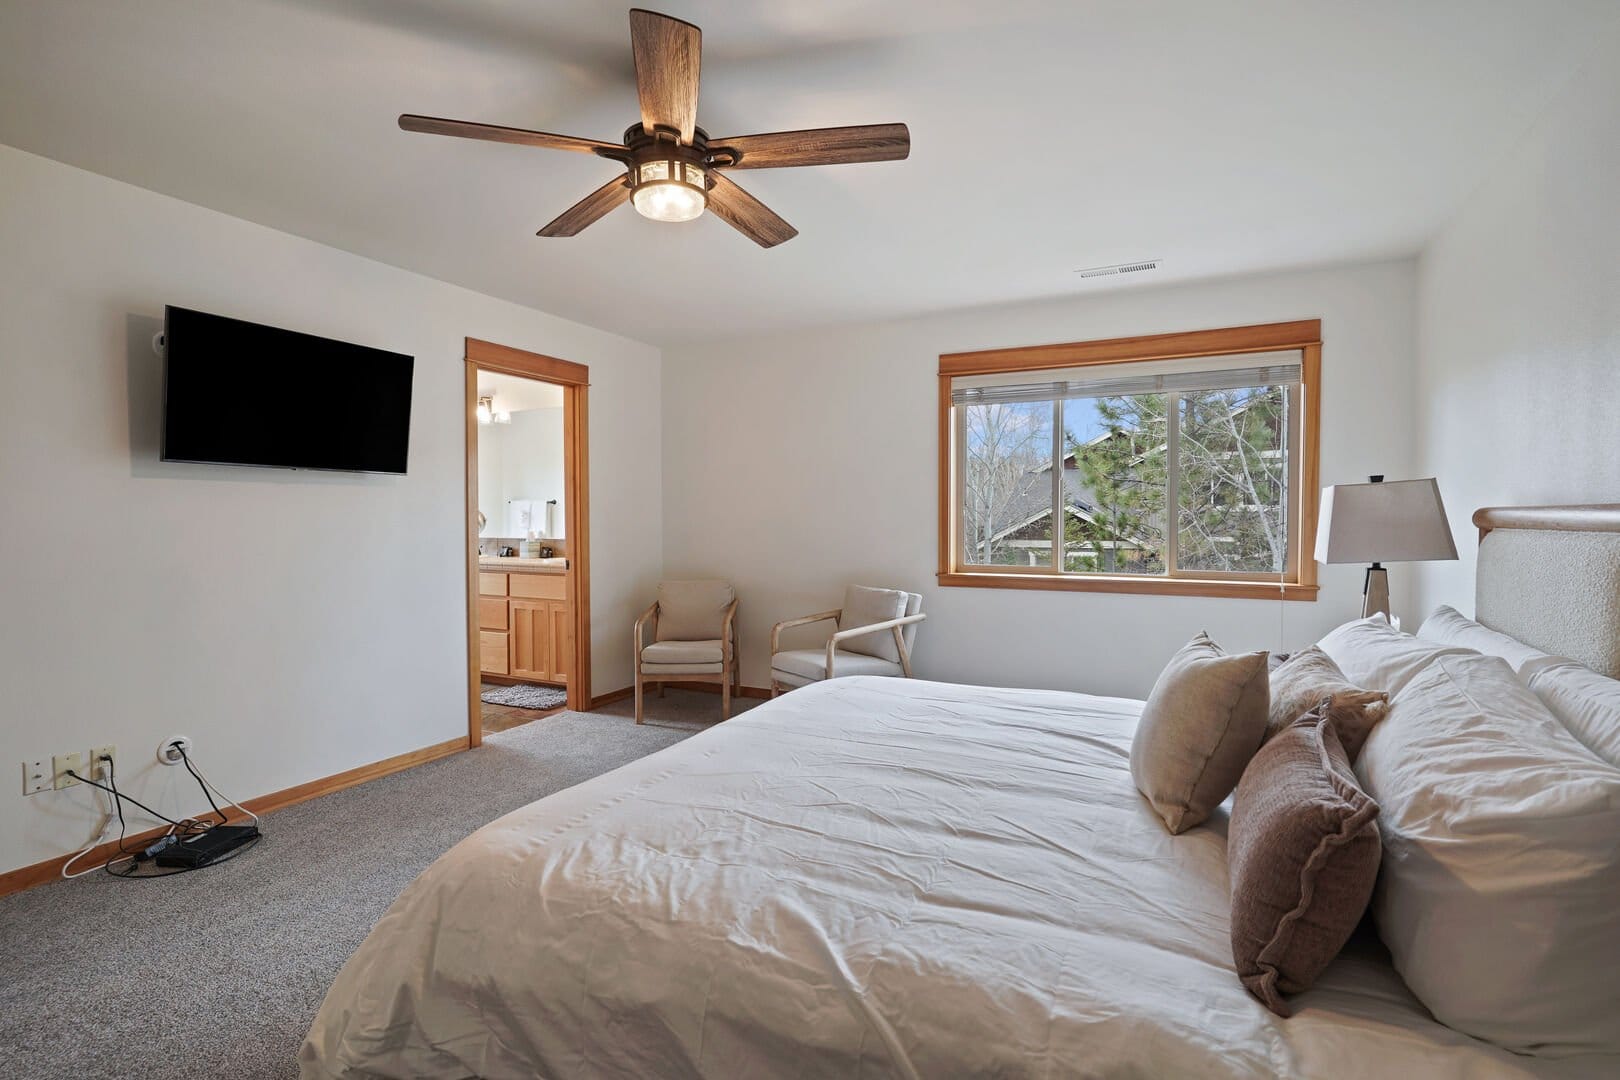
{"x":668,"y":189}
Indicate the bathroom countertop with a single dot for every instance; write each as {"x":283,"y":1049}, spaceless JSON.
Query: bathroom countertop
{"x":531,"y":566}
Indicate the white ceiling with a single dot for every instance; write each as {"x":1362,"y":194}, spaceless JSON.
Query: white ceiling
{"x":1221,"y":137}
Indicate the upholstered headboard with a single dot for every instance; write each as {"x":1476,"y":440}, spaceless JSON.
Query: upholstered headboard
{"x":1550,"y":576}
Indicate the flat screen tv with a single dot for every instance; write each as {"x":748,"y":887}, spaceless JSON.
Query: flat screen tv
{"x":237,"y":393}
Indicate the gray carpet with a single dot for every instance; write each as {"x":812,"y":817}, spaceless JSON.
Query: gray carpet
{"x":219,"y":973}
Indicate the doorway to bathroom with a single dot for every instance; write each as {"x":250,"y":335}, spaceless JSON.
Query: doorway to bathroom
{"x":528,"y":542}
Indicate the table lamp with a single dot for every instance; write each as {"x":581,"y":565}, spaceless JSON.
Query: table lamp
{"x":1378,"y":522}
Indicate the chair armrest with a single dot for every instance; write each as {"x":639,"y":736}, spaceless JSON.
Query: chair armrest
{"x":892,"y":625}
{"x":872,"y":628}
{"x":650,"y":613}
{"x":728,"y":634}
{"x":806,"y":620}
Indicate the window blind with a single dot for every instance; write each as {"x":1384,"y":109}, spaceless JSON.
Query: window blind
{"x":1100,"y":385}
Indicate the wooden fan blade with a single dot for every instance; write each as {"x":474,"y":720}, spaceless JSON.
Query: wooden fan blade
{"x":668,"y":55}
{"x":464,"y":129}
{"x":747,"y":214}
{"x":818,"y":146}
{"x":610,"y":196}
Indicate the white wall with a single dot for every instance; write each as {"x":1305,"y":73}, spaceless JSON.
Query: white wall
{"x":799,"y":462}
{"x":295,"y":624}
{"x":1519,"y":326}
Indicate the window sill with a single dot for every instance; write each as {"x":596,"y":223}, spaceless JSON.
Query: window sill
{"x":1141,"y":586}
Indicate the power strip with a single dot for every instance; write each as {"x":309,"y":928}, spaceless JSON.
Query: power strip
{"x":204,"y":848}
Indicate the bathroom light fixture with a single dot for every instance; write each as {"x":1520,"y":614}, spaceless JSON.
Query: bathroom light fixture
{"x":487,"y":413}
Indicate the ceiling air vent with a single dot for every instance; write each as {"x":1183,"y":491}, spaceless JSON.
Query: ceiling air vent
{"x":1119,"y":268}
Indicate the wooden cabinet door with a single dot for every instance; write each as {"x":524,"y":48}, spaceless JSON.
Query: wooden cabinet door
{"x":492,"y":613}
{"x":562,"y":640}
{"x":493,"y":652}
{"x":530,"y":638}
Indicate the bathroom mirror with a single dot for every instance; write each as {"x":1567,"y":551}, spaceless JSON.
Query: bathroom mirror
{"x":520,"y":457}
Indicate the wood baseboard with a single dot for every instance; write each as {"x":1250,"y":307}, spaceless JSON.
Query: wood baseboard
{"x":611,"y":696}
{"x":707,"y":688}
{"x":40,"y":873}
{"x":714,"y":688}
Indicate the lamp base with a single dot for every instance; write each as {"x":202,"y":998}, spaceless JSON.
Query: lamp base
{"x":1375,"y":593}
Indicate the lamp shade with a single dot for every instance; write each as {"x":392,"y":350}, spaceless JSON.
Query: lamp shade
{"x":1398,"y":521}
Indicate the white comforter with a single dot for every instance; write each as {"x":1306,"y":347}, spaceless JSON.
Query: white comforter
{"x":865,"y":878}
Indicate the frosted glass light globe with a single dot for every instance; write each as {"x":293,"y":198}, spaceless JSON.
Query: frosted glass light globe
{"x":668,"y":200}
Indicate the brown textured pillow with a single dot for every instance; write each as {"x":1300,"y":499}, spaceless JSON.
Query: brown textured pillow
{"x":1200,"y":726}
{"x":1303,"y":851}
{"x":1301,"y":684}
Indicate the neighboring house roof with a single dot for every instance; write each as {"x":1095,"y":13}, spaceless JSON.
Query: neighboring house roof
{"x":1034,"y":501}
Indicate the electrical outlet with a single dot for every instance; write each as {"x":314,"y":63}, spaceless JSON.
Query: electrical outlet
{"x":99,"y":769}
{"x":166,"y":752}
{"x":61,"y":763}
{"x":36,"y":777}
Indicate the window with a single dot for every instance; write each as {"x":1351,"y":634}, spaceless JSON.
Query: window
{"x":1182,"y":463}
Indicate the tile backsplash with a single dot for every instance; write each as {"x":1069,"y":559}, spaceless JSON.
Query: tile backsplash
{"x":490,"y":545}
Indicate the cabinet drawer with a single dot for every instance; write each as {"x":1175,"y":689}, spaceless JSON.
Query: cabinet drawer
{"x":491,"y":584}
{"x":492,"y":612}
{"x":492,"y":652}
{"x":539,"y":586}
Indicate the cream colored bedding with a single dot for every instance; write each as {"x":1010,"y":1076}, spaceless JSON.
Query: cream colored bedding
{"x":865,"y":878}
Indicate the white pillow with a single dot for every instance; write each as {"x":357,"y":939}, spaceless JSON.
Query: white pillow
{"x":1448,"y":626}
{"x":1500,"y":882}
{"x":1587,"y":703}
{"x":1375,"y":656}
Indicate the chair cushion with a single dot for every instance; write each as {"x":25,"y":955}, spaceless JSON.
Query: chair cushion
{"x":692,"y":610}
{"x":684,"y":652}
{"x":812,"y":664}
{"x":864,"y":606}
{"x":658,"y":671}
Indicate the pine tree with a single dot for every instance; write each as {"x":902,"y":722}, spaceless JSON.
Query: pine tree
{"x":1232,"y":482}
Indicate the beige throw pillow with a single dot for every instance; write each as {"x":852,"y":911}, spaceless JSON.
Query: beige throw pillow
{"x":1303,"y":853}
{"x":1304,"y":680}
{"x":1200,"y":726}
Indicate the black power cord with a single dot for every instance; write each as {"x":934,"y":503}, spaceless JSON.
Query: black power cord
{"x":190,"y":827}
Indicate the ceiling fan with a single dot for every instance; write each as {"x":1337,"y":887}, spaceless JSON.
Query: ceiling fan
{"x":673,"y":169}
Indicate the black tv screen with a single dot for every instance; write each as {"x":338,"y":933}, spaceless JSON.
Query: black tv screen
{"x":237,"y":393}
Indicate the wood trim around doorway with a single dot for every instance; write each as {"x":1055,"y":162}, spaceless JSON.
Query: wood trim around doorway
{"x":575,"y":382}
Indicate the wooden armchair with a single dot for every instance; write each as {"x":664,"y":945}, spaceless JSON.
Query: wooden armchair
{"x":694,"y":639}
{"x":876,"y":632}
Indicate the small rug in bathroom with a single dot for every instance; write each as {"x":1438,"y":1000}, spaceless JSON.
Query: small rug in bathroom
{"x":523,"y":696}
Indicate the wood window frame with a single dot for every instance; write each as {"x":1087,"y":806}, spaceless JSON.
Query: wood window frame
{"x":575,"y":380}
{"x":1304,"y":335}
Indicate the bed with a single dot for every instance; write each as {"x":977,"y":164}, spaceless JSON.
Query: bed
{"x":868,"y":878}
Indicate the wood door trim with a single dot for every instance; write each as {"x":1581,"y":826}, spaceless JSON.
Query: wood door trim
{"x":475,"y":657}
{"x":509,"y":361}
{"x":26,"y":877}
{"x":575,"y":382}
